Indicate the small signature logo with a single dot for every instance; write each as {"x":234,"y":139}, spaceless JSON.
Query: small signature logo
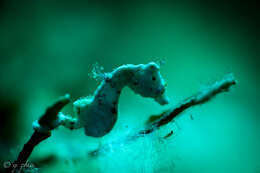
{"x":15,"y":168}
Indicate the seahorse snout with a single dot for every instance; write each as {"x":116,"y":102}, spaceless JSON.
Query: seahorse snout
{"x":162,"y":99}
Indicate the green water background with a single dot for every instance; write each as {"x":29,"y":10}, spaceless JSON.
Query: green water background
{"x":47,"y":49}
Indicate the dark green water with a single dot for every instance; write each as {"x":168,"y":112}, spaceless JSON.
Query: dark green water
{"x":47,"y":49}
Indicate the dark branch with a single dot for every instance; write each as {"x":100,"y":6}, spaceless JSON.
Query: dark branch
{"x":37,"y":137}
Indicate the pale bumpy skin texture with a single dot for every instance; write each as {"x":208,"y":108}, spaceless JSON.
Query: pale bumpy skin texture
{"x":98,"y":113}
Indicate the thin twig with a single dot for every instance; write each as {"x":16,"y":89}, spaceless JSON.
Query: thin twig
{"x":37,"y":137}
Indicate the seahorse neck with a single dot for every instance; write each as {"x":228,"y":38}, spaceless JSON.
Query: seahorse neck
{"x":122,"y":76}
{"x":109,"y":90}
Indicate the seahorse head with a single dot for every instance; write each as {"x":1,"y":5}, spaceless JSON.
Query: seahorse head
{"x":148,"y":82}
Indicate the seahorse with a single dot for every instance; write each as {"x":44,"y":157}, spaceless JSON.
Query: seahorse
{"x":97,"y":114}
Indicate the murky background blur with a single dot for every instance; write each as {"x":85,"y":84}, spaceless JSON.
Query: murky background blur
{"x":48,"y":47}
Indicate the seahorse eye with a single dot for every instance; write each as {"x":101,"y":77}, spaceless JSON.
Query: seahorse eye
{"x":153,"y":78}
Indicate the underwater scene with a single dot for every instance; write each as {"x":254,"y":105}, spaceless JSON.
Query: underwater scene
{"x":92,"y":86}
